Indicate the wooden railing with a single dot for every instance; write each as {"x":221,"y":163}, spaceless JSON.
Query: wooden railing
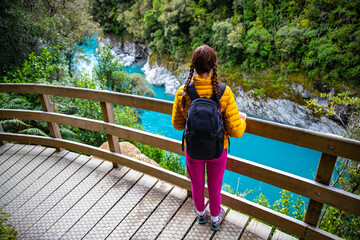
{"x":319,"y":192}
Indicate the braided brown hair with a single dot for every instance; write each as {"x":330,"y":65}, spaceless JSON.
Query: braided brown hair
{"x":203,"y":61}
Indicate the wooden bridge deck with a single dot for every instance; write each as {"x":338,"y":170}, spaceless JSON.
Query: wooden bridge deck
{"x":64,"y":195}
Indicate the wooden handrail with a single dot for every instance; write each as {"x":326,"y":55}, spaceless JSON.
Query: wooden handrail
{"x":318,"y":191}
{"x":289,"y":224}
{"x":326,"y":143}
{"x":303,"y":186}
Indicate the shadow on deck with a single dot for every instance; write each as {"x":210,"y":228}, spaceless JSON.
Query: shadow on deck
{"x":64,"y":195}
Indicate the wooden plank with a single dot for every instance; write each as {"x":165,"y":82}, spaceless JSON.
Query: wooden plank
{"x":33,"y":162}
{"x":108,"y":115}
{"x":256,"y":230}
{"x":61,"y":200}
{"x":232,"y":226}
{"x":278,"y":235}
{"x":132,"y":163}
{"x":323,"y":175}
{"x":180,"y":223}
{"x":308,"y":188}
{"x":5,"y":147}
{"x":20,"y":182}
{"x":274,"y":218}
{"x":26,"y":190}
{"x":87,"y":202}
{"x":119,"y":185}
{"x":17,"y":166}
{"x":47,"y":107}
{"x":162,"y":215}
{"x":140,"y":213}
{"x":9,"y":153}
{"x":118,"y":212}
{"x":12,"y":163}
{"x":327,"y":143}
{"x":267,"y":215}
{"x":200,"y":231}
{"x":38,"y":204}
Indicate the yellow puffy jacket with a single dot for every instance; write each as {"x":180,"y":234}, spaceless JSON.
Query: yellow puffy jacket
{"x":233,"y":124}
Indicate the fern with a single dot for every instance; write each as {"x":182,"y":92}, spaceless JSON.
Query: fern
{"x":69,"y":133}
{"x":14,"y":101}
{"x":13,"y":125}
{"x":18,"y":103}
{"x":42,"y":124}
{"x":65,"y":132}
{"x":34,"y":131}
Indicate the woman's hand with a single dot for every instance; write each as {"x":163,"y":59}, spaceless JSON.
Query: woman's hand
{"x":242,"y":116}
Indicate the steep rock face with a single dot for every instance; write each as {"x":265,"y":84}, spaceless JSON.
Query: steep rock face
{"x":127,"y":52}
{"x":130,"y":150}
{"x":277,"y":110}
{"x":285,"y":111}
{"x":161,"y":76}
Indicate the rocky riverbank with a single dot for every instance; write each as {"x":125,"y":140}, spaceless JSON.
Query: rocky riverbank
{"x":277,"y":110}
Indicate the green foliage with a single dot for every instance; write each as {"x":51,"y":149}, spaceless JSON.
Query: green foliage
{"x":343,"y":107}
{"x":340,"y":223}
{"x":172,"y":162}
{"x":109,"y":73}
{"x":319,"y":39}
{"x":7,"y":230}
{"x":283,"y":204}
{"x":32,"y":24}
{"x":37,"y":69}
{"x":262,"y":200}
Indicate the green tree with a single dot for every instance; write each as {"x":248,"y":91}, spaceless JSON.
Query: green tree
{"x":257,"y":46}
{"x":176,"y":19}
{"x":30,"y":25}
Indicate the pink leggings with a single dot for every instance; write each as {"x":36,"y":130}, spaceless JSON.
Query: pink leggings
{"x":215,"y":173}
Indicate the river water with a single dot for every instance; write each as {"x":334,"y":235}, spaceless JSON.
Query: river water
{"x":286,"y":157}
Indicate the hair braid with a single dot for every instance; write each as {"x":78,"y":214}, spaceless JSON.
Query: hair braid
{"x":216,"y":87}
{"x":183,"y":100}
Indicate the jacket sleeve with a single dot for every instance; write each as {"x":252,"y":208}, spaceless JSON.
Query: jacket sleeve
{"x":177,"y":119}
{"x":234,"y":125}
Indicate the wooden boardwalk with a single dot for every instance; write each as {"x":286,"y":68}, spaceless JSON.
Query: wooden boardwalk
{"x":64,"y":195}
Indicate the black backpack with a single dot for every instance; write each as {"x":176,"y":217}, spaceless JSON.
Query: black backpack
{"x":203,"y":132}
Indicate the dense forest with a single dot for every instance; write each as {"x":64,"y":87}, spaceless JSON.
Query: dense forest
{"x":320,"y":39}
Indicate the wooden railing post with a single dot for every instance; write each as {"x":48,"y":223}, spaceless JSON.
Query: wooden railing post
{"x":108,"y":115}
{"x":2,"y":142}
{"x":53,"y":127}
{"x":323,"y":175}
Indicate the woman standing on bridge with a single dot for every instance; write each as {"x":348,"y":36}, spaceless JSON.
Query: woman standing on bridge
{"x":232,"y":123}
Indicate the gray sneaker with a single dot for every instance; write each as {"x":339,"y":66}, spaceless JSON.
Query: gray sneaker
{"x":200,"y":219}
{"x":216,"y":225}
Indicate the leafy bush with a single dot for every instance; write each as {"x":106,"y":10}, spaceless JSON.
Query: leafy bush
{"x":7,"y":230}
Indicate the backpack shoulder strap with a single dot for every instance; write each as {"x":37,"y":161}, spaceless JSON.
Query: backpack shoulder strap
{"x":192,"y":92}
{"x":222,"y":90}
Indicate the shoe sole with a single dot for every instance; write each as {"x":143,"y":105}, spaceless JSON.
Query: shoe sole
{"x":215,"y":229}
{"x":200,"y":221}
